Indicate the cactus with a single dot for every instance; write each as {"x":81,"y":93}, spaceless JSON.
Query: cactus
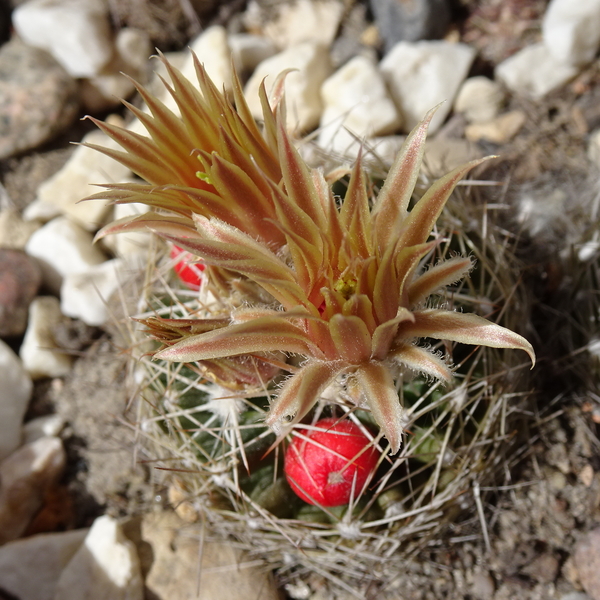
{"x":317,"y":308}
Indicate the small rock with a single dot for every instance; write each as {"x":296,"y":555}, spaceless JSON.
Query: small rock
{"x":586,"y":559}
{"x":499,"y":130}
{"x":410,"y":20}
{"x":357,"y":105}
{"x":571,"y":30}
{"x":483,"y":586}
{"x":593,"y":149}
{"x":420,"y":75}
{"x":575,"y":596}
{"x":25,"y":476}
{"x":20,"y":279}
{"x":38,"y":98}
{"x":213,"y":51}
{"x":76,"y":32}
{"x":15,"y":393}
{"x":85,"y":295}
{"x":49,"y":425}
{"x":292,"y":23}
{"x":86,"y":166}
{"x":303,"y":99}
{"x":533,"y":72}
{"x":249,"y":50}
{"x":105,"y":90}
{"x":15,"y":231}
{"x":444,"y":154}
{"x":30,"y":567}
{"x":63,"y":247}
{"x":176,"y":552}
{"x":39,"y":353}
{"x":543,"y":568}
{"x":479,"y":99}
{"x":105,"y":566}
{"x":586,"y":475}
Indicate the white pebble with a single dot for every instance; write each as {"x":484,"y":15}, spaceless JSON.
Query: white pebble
{"x":305,"y":21}
{"x":479,"y":99}
{"x":571,"y":30}
{"x":105,"y":566}
{"x":15,"y":392}
{"x":84,"y":295}
{"x":420,"y":75}
{"x":213,"y":51}
{"x":62,"y":247}
{"x":76,"y":32}
{"x":533,"y":72}
{"x":30,"y":567}
{"x":303,"y":99}
{"x":249,"y":50}
{"x":39,"y":353}
{"x":64,"y":190}
{"x":357,"y":105}
{"x":25,"y":476}
{"x":49,"y":425}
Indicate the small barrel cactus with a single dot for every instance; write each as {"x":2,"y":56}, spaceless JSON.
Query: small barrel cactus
{"x":318,"y":315}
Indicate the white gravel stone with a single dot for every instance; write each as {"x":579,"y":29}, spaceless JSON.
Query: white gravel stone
{"x":30,"y":567}
{"x":304,"y":21}
{"x":86,"y":166}
{"x":249,"y":50}
{"x":302,"y":86}
{"x":356,"y":105}
{"x":25,"y":477}
{"x":420,"y":75}
{"x":76,"y":32}
{"x":105,"y":90}
{"x":443,"y":154}
{"x":499,"y":130}
{"x":571,"y":30}
{"x":105,"y":566}
{"x":479,"y":99}
{"x":49,"y":425}
{"x":14,"y":230}
{"x":39,"y":353}
{"x":62,"y":247}
{"x":85,"y":295}
{"x":15,"y":393}
{"x":593,"y":148}
{"x":533,"y":72}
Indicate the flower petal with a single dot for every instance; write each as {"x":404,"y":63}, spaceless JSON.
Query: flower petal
{"x":265,"y":334}
{"x":301,"y":391}
{"x":420,"y":359}
{"x":465,"y":329}
{"x":351,"y":338}
{"x":441,"y":275}
{"x":377,"y":386}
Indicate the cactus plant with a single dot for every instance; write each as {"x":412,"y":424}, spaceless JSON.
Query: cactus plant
{"x":314,"y":306}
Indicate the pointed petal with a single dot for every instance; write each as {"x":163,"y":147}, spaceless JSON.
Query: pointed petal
{"x":265,"y":334}
{"x":439,"y":276}
{"x":465,"y":329}
{"x":420,"y":359}
{"x":392,"y":203}
{"x":300,"y":393}
{"x":354,"y":214}
{"x":386,"y":332}
{"x":420,"y":221}
{"x":379,"y":391}
{"x":351,"y":338}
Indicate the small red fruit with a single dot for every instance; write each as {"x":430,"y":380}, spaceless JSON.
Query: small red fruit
{"x":187,"y":267}
{"x":324,"y":465}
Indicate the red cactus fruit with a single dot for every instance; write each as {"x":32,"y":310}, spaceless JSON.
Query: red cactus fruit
{"x":187,"y":267}
{"x":324,"y":465}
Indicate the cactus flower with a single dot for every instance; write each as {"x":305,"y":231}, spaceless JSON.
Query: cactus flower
{"x":339,"y":280}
